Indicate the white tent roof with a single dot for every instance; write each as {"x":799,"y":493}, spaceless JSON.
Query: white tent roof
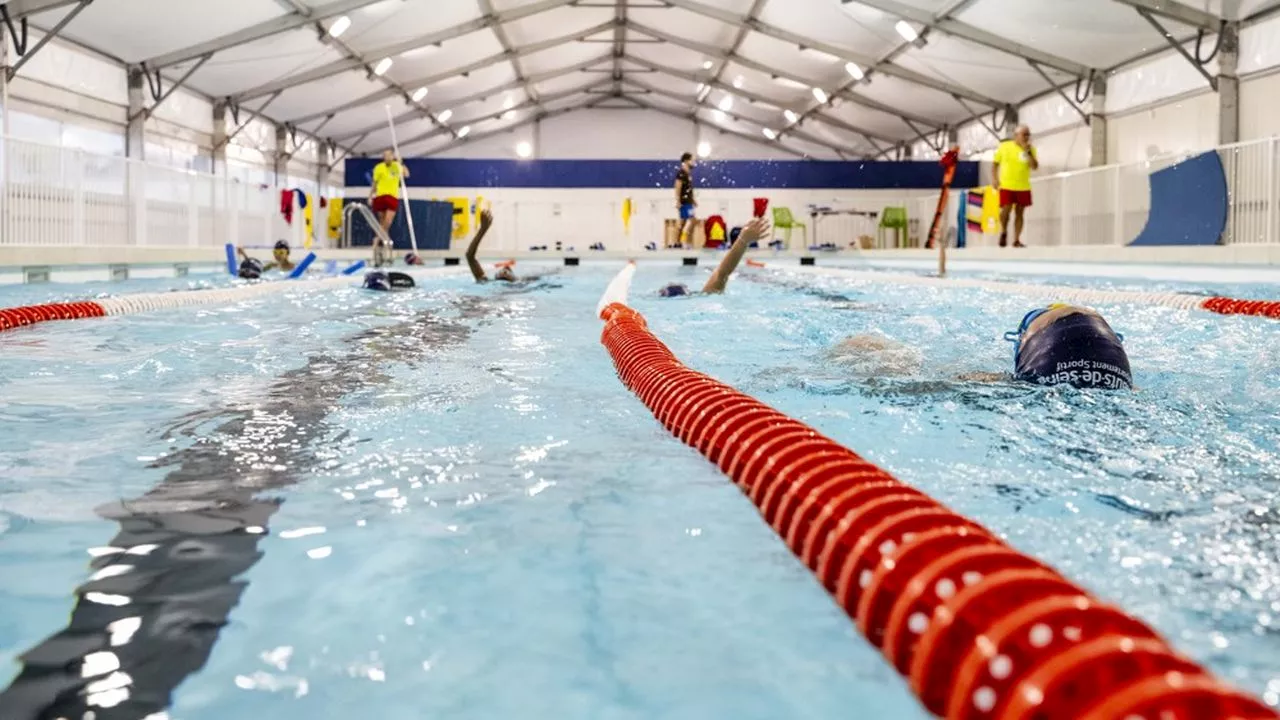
{"x":486,"y":66}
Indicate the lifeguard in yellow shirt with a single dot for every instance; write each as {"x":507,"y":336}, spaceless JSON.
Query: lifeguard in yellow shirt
{"x":384,"y":197}
{"x":1013,"y":162}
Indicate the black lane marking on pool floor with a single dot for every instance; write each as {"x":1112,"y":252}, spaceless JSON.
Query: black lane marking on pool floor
{"x":152,"y":610}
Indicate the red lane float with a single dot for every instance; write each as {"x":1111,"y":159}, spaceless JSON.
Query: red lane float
{"x":11,"y":318}
{"x":1231,"y":306}
{"x":981,"y":630}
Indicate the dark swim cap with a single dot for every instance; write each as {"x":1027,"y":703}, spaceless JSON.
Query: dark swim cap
{"x":412,"y":259}
{"x":1079,"y":349}
{"x":282,"y":245}
{"x":250,"y":269}
{"x":377,"y":281}
{"x":674,"y":290}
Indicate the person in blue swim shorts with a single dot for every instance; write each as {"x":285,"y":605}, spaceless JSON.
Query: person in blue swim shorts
{"x":685,"y":202}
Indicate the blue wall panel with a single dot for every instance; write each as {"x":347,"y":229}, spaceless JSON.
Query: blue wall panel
{"x":719,"y":174}
{"x":1188,"y":203}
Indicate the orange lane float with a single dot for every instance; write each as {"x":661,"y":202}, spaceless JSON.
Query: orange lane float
{"x":980,"y":630}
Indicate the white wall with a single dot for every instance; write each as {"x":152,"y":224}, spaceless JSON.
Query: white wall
{"x":617,"y":134}
{"x":1160,"y":106}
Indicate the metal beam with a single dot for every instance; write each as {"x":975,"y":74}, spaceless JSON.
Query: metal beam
{"x":450,"y":33}
{"x":869,"y":135}
{"x":693,"y":117}
{"x":978,"y":36}
{"x":486,"y":7}
{"x":531,"y":79}
{"x":759,"y":67}
{"x":1063,"y":93}
{"x":619,"y":43}
{"x":546,"y":100}
{"x":1177,"y":45}
{"x":799,"y":40}
{"x":477,"y":65}
{"x":160,"y":97}
{"x":753,"y":14}
{"x":275,"y":26}
{"x":49,"y":35}
{"x":19,"y":9}
{"x":532,"y":119}
{"x":1172,"y":10}
{"x":736,"y":116}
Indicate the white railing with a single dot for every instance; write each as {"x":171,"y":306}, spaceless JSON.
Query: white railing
{"x":1108,"y":205}
{"x":62,"y":196}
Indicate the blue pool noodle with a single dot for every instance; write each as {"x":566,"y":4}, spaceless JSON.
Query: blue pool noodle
{"x":231,"y":259}
{"x":354,"y":268}
{"x":302,"y":266}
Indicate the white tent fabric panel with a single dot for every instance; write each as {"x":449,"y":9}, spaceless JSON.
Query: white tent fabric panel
{"x":833,"y":78}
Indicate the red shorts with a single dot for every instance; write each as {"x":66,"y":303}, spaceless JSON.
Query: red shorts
{"x":383,"y":203}
{"x":1021,"y":198}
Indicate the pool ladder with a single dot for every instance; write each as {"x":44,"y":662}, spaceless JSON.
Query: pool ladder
{"x":382,"y":246}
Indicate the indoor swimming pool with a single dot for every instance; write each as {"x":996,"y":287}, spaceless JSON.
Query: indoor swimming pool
{"x":331,"y":503}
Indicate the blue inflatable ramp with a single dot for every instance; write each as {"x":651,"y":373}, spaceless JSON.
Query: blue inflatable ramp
{"x":1188,"y":203}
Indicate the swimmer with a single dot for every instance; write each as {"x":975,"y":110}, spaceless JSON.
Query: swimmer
{"x":1068,"y":344}
{"x":755,"y":230}
{"x":505,"y":274}
{"x":1056,"y":345}
{"x":280,"y":259}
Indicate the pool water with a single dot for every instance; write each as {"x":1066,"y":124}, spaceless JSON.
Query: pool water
{"x":328,"y":504}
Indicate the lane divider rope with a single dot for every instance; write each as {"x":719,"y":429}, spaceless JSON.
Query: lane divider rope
{"x":18,"y":317}
{"x":1182,"y":301}
{"x":980,"y":630}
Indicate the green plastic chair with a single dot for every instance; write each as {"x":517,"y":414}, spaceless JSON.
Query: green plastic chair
{"x":895,"y":219}
{"x":784,"y":220}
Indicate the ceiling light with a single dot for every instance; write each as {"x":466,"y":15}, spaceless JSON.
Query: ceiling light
{"x":707,"y":65}
{"x":704,"y":149}
{"x":524,"y":149}
{"x":719,"y":115}
{"x":726,"y":103}
{"x":820,"y":95}
{"x":508,"y":103}
{"x":738,"y":82}
{"x":769,"y":133}
{"x":509,"y":115}
{"x":854,"y":71}
{"x":382,"y":67}
{"x":819,"y":54}
{"x":790,"y":116}
{"x":419,"y":94}
{"x":703,"y":92}
{"x":788,"y":82}
{"x":907,"y":32}
{"x":464,"y":131}
{"x":339,"y":26}
{"x":444,"y":116}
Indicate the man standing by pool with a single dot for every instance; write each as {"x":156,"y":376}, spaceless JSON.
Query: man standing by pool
{"x":385,"y":193}
{"x":684,"y":198}
{"x":1012,"y":165}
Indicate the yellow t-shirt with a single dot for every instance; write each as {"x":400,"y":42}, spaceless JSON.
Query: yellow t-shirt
{"x":386,"y":179}
{"x":1015,"y":165}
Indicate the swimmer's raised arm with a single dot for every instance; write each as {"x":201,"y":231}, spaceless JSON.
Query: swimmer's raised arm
{"x":486,"y":220}
{"x":755,"y":230}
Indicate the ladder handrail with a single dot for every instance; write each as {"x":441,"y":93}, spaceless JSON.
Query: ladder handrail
{"x":369,"y":216}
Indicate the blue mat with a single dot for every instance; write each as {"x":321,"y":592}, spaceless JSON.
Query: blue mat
{"x":1188,"y":203}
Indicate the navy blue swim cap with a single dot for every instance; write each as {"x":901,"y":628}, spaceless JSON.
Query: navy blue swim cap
{"x":674,"y":290}
{"x":399,"y":280}
{"x":250,"y":269}
{"x":281,"y":245}
{"x":1079,"y":349}
{"x":412,"y":259}
{"x":376,"y":280}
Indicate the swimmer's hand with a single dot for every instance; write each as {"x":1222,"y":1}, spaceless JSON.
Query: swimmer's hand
{"x":486,"y":219}
{"x":985,"y":377}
